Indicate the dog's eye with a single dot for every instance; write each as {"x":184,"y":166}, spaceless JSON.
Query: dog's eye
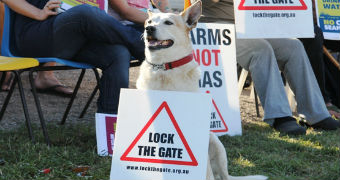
{"x":149,"y":21}
{"x":168,"y":23}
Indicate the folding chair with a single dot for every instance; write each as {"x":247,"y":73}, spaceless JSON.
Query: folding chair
{"x":8,"y":49}
{"x":241,"y":81}
{"x":17,"y":66}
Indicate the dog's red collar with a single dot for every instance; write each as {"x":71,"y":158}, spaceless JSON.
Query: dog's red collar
{"x":173,"y":64}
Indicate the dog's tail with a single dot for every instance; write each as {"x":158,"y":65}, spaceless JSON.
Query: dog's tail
{"x":256,"y":177}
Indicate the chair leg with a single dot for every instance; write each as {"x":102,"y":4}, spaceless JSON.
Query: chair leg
{"x":256,"y":104}
{"x":96,"y":73}
{"x":37,"y":103}
{"x":241,"y":81}
{"x":89,"y":102}
{"x":8,"y":97}
{"x":24,"y":105}
{"x":92,"y":94}
{"x":75,"y":91}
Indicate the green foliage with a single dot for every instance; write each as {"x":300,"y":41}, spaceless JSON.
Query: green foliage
{"x":260,"y":150}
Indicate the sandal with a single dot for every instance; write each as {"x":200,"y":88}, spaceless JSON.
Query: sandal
{"x":55,"y":90}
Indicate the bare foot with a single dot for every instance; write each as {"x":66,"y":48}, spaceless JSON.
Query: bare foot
{"x":6,"y":85}
{"x":46,"y":79}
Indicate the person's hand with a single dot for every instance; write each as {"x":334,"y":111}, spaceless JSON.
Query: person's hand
{"x":49,"y":9}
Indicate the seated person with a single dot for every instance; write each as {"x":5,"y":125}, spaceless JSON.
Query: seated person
{"x":264,"y":58}
{"x":314,"y":50}
{"x":84,"y":34}
{"x":44,"y":81}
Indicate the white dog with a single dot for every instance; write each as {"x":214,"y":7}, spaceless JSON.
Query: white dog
{"x":169,"y":65}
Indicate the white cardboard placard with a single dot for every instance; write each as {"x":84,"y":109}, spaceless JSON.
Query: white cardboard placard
{"x":215,"y":52}
{"x":273,"y":19}
{"x":161,"y":135}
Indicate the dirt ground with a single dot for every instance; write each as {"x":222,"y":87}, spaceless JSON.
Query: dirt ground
{"x":54,"y":106}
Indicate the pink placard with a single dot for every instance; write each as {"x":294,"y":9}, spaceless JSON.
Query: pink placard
{"x":110,"y":132}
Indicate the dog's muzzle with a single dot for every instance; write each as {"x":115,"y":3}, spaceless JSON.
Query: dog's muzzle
{"x":153,"y":43}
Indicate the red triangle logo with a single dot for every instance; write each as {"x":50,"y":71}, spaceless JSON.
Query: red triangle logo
{"x":165,"y":106}
{"x":225,"y":127}
{"x":303,"y":6}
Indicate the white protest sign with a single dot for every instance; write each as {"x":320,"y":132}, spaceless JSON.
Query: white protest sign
{"x":328,"y":17}
{"x":161,"y":135}
{"x":273,"y":19}
{"x":214,"y":50}
{"x":105,"y":133}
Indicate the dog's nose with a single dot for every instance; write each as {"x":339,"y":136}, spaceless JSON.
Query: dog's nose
{"x":150,"y":30}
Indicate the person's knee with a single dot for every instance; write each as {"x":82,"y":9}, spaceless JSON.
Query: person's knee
{"x":296,"y":47}
{"x":261,"y":52}
{"x":84,"y":12}
{"x":121,"y":51}
{"x":262,"y":48}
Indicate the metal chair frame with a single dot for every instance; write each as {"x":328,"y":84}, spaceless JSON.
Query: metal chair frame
{"x":17,"y":79}
{"x":66,"y":65}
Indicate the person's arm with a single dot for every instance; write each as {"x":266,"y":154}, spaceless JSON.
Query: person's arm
{"x":24,"y":8}
{"x":162,"y":5}
{"x":133,"y":14}
{"x":127,"y":12}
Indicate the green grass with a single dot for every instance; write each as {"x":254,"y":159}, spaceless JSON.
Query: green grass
{"x":259,"y":151}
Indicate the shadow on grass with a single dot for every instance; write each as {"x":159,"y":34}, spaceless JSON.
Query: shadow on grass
{"x":261,"y":150}
{"x":73,"y":145}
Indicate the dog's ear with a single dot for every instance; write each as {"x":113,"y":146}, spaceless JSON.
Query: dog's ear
{"x":192,"y":14}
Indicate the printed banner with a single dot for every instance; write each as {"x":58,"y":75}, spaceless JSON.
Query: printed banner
{"x":328,"y":15}
{"x":164,"y":136}
{"x":105,"y":133}
{"x":67,"y":4}
{"x":273,"y":19}
{"x":215,"y":52}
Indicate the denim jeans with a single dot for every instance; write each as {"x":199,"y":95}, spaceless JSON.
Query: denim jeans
{"x":114,"y":61}
{"x":82,"y":24}
{"x":87,"y":34}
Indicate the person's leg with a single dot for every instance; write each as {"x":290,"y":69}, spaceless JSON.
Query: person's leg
{"x":314,"y":50}
{"x":313,"y":47}
{"x":257,"y":56}
{"x":114,"y":60}
{"x":82,"y":24}
{"x":293,"y":61}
